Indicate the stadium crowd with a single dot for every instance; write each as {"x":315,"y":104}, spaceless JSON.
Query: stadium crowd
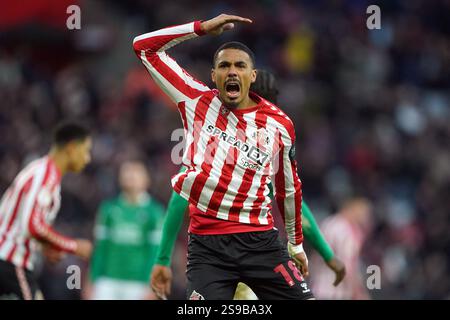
{"x":371,"y":107}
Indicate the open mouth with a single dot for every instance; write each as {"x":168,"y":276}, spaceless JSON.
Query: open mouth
{"x":233,"y":89}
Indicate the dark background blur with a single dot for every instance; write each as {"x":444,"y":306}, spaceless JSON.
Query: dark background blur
{"x":371,"y":110}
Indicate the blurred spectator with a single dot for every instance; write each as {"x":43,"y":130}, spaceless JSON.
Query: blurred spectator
{"x":346,"y":232}
{"x":127,"y":235}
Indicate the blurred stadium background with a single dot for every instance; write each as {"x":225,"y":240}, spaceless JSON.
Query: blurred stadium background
{"x":371,"y":110}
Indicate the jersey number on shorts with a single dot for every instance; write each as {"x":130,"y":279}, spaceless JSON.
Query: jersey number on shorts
{"x":282,"y":269}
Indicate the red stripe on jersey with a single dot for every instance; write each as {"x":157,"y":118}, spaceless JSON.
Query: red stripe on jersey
{"x":26,"y":187}
{"x":199,"y":120}
{"x":171,"y":76}
{"x":27,"y":253}
{"x":11,"y":253}
{"x":182,"y":108}
{"x":238,"y":201}
{"x":7,"y":196}
{"x":279,"y":180}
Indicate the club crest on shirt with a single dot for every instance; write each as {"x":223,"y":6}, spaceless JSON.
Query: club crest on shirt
{"x":224,"y":110}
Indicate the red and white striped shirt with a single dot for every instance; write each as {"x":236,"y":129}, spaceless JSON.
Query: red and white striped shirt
{"x":27,"y":209}
{"x":346,"y":239}
{"x":231,"y":155}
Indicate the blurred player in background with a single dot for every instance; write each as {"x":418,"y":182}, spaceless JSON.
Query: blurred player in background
{"x":237,"y":142}
{"x":127,"y":235}
{"x":29,"y":207}
{"x":265,"y":85}
{"x":346,"y":232}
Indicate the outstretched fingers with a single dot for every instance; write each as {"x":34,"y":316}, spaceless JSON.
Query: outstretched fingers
{"x":232,"y":18}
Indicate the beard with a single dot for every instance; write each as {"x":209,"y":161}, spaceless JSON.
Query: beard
{"x":230,"y":103}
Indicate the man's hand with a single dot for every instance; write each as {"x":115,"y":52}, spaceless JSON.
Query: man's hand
{"x":219,"y":24}
{"x":52,"y":254}
{"x":84,"y":249}
{"x":161,"y":280}
{"x":300,"y":259}
{"x":338,"y":268}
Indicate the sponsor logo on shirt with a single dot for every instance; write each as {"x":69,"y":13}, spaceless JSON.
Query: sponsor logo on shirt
{"x":254,"y":156}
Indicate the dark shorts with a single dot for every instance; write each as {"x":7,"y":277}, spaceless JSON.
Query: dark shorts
{"x":217,"y":263}
{"x":17,"y":283}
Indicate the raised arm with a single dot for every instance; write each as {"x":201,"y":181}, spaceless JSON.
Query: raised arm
{"x":174,"y":80}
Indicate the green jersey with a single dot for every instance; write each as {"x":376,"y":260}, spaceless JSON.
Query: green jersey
{"x":127,"y":238}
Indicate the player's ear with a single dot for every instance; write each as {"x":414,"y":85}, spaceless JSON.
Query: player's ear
{"x":69,"y":148}
{"x":72,"y":147}
{"x":254,"y":75}
{"x":213,"y":75}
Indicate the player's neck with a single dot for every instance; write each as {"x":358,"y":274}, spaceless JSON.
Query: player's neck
{"x":59,"y":159}
{"x":133,"y":197}
{"x":246,"y":103}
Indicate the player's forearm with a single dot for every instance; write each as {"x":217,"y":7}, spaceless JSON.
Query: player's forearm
{"x":312,"y":232}
{"x":44,"y":233}
{"x":166,"y":38}
{"x":290,"y":209}
{"x":171,"y":227}
{"x":288,"y":194}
